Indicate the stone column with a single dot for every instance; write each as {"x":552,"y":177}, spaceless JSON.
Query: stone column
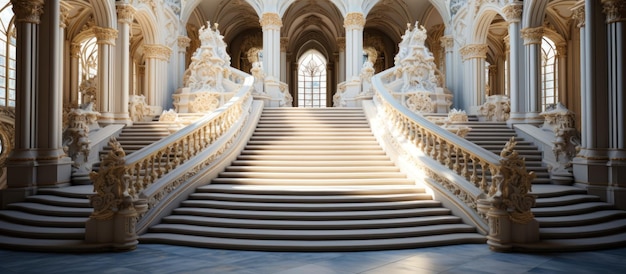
{"x":156,"y":57}
{"x":341,"y":45}
{"x":505,"y":72}
{"x":474,"y":56}
{"x":284,"y":41}
{"x":561,"y":74}
{"x":532,"y":51}
{"x":106,"y":46}
{"x":141,"y":80}
{"x":354,"y":23}
{"x":579,"y":15}
{"x":121,"y":93}
{"x":447,"y":43}
{"x":271,"y":24}
{"x":64,"y":84}
{"x":615,"y":11}
{"x":513,"y":15}
{"x":74,"y":76}
{"x":183,"y":44}
{"x":493,"y":80}
{"x":21,"y":163}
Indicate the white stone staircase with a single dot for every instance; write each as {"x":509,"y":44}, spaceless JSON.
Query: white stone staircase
{"x":569,"y":218}
{"x":311,"y":180}
{"x":54,"y":219}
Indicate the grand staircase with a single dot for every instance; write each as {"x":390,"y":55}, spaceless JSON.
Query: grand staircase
{"x":311,"y":180}
{"x":54,"y":219}
{"x":569,"y":218}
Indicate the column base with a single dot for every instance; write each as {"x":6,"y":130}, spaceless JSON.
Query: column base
{"x":516,"y":118}
{"x":54,"y":173}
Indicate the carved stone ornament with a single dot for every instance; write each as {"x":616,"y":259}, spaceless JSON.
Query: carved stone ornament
{"x":560,"y":120}
{"x":138,"y":109}
{"x":110,"y":184}
{"x":532,"y":35}
{"x":7,"y":134}
{"x":76,"y":138}
{"x":447,"y":42}
{"x":168,"y":116}
{"x":473,"y":51}
{"x":341,"y":43}
{"x":578,"y":14}
{"x":125,"y":13}
{"x":183,"y":42}
{"x":497,"y":108}
{"x":420,"y":102}
{"x":615,"y":10}
{"x":513,"y":12}
{"x":28,"y":11}
{"x":354,"y":20}
{"x":205,"y":102}
{"x":271,"y":20}
{"x":105,"y":35}
{"x":511,"y":189}
{"x":157,"y":52}
{"x":284,"y":42}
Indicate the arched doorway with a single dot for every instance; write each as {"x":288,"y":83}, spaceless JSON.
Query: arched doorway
{"x":312,"y":80}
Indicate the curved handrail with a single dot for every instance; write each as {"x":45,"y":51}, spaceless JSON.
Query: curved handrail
{"x":474,"y":163}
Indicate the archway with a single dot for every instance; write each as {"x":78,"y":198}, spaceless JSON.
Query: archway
{"x":312,"y":80}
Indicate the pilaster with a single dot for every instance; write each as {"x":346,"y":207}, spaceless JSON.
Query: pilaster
{"x":125,"y":13}
{"x":271,"y":24}
{"x":183,"y":44}
{"x":474,"y":56}
{"x":284,"y":42}
{"x":513,"y":16}
{"x":354,"y":23}
{"x":105,"y":38}
{"x":341,"y":46}
{"x":447,"y":43}
{"x":156,"y":57}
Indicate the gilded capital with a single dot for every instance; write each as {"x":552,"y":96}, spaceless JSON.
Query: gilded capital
{"x":125,"y":13}
{"x":27,"y":11}
{"x":65,"y":14}
{"x":578,"y":13}
{"x":105,"y":35}
{"x":561,"y":49}
{"x":341,"y":43}
{"x":157,"y":52}
{"x":271,"y":20}
{"x":513,"y":12}
{"x":75,"y":50}
{"x":354,"y":20}
{"x":183,"y":42}
{"x":447,"y":42}
{"x":284,"y":41}
{"x":473,"y":51}
{"x":615,"y":10}
{"x":532,"y":35}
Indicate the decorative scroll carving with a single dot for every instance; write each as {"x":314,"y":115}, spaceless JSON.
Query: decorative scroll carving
{"x":474,"y":51}
{"x":168,"y":116}
{"x":560,"y":120}
{"x":28,"y":11}
{"x":420,"y":102}
{"x":76,"y":138}
{"x":354,"y":20}
{"x":183,"y":42}
{"x":110,"y":184}
{"x":271,"y":20}
{"x":615,"y":10}
{"x":138,"y":108}
{"x":497,"y":108}
{"x":532,"y":35}
{"x":89,"y":91}
{"x":513,"y":12}
{"x":105,"y":36}
{"x":157,"y":52}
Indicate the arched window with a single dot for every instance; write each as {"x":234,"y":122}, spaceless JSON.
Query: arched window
{"x":312,"y":80}
{"x":549,"y":94}
{"x":7,"y":56}
{"x":88,"y":67}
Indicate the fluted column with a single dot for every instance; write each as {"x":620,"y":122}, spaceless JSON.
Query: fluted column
{"x":579,"y":15}
{"x":561,"y":62}
{"x":474,"y":56}
{"x":532,"y":51}
{"x":284,"y":41}
{"x":21,"y":164}
{"x":141,"y":80}
{"x":64,"y":85}
{"x":183,"y":44}
{"x":105,"y":38}
{"x":354,"y":23}
{"x":74,"y":75}
{"x":121,"y":93}
{"x":271,"y":24}
{"x":513,"y":15}
{"x":156,"y":57}
{"x":447,"y":43}
{"x":341,"y":45}
{"x":493,"y":80}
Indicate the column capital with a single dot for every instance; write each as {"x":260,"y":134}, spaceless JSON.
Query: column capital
{"x":75,"y":50}
{"x":65,"y":16}
{"x":271,"y":20}
{"x":578,"y":13}
{"x":615,"y":10}
{"x":28,"y":11}
{"x":561,"y":49}
{"x":513,"y":12}
{"x":474,"y":51}
{"x":155,"y":51}
{"x":447,"y":42}
{"x":532,"y":35}
{"x":125,"y":13}
{"x":183,"y":42}
{"x":284,"y":42}
{"x":354,"y":21}
{"x":341,"y":43}
{"x":105,"y":35}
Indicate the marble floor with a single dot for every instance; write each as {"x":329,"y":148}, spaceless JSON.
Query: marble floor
{"x":447,"y":259}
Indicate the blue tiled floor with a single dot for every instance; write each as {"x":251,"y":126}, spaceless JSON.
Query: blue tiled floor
{"x":446,"y":259}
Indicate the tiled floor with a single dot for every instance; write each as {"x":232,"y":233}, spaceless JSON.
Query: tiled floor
{"x":447,"y":259}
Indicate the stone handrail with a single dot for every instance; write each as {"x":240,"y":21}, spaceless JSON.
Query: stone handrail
{"x":502,"y":180}
{"x":122,"y":179}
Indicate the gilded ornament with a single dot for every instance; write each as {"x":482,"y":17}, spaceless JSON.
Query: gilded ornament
{"x":125,"y":13}
{"x":105,"y":35}
{"x":474,"y":51}
{"x":532,"y":35}
{"x":28,"y":11}
{"x":615,"y":10}
{"x":271,"y":20}
{"x":513,"y":12}
{"x":354,"y":20}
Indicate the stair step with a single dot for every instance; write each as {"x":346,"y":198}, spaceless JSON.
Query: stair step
{"x":309,"y":158}
{"x":59,"y":201}
{"x":324,"y":148}
{"x":311,"y":190}
{"x":38,"y":232}
{"x":570,"y":209}
{"x":313,"y":182}
{"x":313,"y":169}
{"x":266,"y":198}
{"x":581,"y":219}
{"x":566,"y":200}
{"x":285,"y":162}
{"x":305,"y":153}
{"x":50,"y":210}
{"x":312,"y":176}
{"x":310,"y":207}
{"x":592,"y":230}
{"x":42,"y":220}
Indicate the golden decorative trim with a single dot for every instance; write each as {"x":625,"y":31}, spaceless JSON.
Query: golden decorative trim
{"x":513,"y":12}
{"x":28,"y":11}
{"x":157,"y":52}
{"x":354,"y":20}
{"x":474,"y":51}
{"x":447,"y":42}
{"x":125,"y":13}
{"x":271,"y":20}
{"x":105,"y":35}
{"x":183,"y":42}
{"x":578,"y":14}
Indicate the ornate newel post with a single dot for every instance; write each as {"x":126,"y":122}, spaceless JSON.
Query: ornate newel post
{"x":508,"y":203}
{"x":560,"y":120}
{"x":76,"y":141}
{"x":114,"y":216}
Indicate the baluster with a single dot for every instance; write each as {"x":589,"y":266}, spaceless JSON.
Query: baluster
{"x":483,"y":181}
{"x":474,"y":177}
{"x":457,"y":160}
{"x":465,"y":170}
